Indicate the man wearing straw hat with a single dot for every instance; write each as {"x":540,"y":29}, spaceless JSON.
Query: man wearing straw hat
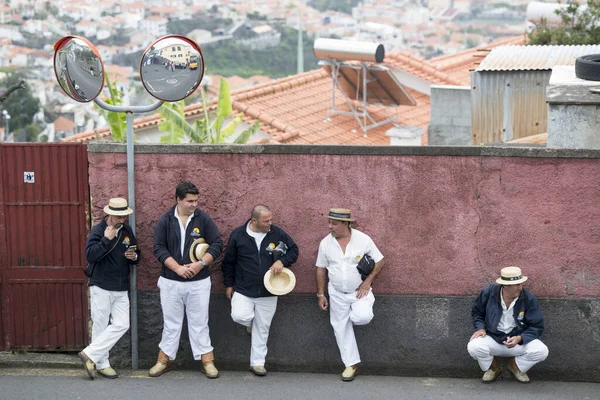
{"x":349,"y":290}
{"x":112,"y":247}
{"x":186,"y":240}
{"x":508,"y":322}
{"x":253,"y":252}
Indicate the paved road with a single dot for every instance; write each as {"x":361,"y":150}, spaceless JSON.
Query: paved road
{"x":57,"y":384}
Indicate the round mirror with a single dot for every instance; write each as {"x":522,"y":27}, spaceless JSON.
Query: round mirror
{"x":172,"y":68}
{"x":78,"y":68}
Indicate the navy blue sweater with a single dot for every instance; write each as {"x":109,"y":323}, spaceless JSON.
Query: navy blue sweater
{"x":167,"y":240}
{"x":112,"y":271}
{"x":487,"y":312}
{"x":244,"y":266}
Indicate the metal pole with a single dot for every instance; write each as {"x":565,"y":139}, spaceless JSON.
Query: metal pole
{"x":133,"y":276}
{"x":131,"y":200}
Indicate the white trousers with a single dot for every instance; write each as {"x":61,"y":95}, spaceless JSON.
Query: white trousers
{"x":257,"y":313}
{"x":192,"y":298}
{"x":345,"y":310}
{"x":484,"y":348}
{"x":110,"y":321}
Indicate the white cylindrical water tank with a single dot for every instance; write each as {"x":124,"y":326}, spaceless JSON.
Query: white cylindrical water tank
{"x":350,"y":50}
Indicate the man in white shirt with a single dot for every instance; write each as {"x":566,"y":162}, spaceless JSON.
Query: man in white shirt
{"x":508,"y":322}
{"x":351,"y":298}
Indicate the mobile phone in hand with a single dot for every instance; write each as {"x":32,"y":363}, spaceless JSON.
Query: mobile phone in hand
{"x":132,"y":248}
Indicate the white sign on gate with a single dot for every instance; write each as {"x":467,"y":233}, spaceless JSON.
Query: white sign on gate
{"x":29,"y":177}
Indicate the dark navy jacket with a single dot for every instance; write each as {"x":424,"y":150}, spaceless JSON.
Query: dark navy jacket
{"x":244,"y":267}
{"x":112,"y":271}
{"x":167,"y":240}
{"x":487,"y":311}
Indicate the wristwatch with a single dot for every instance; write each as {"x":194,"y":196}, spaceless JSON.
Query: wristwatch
{"x":204,"y":264}
{"x":320,"y":294}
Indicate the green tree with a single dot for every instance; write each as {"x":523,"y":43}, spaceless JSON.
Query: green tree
{"x":580,"y":25}
{"x":21,"y":104}
{"x":116,"y":121}
{"x":211,"y":129}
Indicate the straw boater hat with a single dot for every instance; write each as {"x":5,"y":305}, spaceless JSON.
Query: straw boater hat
{"x":117,"y":206}
{"x":511,"y":276}
{"x":280,"y":284}
{"x":340,"y":214}
{"x":198,"y":249}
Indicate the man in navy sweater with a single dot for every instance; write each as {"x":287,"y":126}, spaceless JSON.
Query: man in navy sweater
{"x":508,"y":322}
{"x":247,"y":260}
{"x":112,"y":246}
{"x":184,"y":284}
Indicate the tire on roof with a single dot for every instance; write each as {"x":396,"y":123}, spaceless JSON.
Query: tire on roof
{"x":588,"y":67}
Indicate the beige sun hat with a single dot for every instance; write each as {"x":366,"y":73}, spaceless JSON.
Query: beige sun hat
{"x":511,"y":276}
{"x":340,"y":214}
{"x":198,"y":249}
{"x":280,"y":284}
{"x":117,"y":206}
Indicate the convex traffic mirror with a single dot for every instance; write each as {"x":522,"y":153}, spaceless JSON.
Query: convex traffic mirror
{"x":172,"y":68}
{"x":78,"y":68}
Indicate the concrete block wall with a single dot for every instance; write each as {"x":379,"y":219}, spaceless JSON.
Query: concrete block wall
{"x":450,"y":122}
{"x":446,"y":219}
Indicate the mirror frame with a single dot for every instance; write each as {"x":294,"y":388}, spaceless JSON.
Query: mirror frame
{"x":59,"y":45}
{"x":185,"y":39}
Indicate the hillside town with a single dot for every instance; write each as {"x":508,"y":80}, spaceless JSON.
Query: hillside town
{"x":122,"y":30}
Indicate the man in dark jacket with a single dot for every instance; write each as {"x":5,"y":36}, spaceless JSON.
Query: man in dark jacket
{"x":247,"y":259}
{"x":185,"y":283}
{"x":112,"y":246}
{"x":508,"y":322}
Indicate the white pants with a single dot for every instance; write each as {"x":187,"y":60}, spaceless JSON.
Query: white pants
{"x":483,"y":349}
{"x":345,"y":311}
{"x":110,"y":318}
{"x":192,"y":297}
{"x":257,"y":313}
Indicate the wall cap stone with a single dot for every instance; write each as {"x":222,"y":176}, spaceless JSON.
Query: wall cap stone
{"x":489,"y":151}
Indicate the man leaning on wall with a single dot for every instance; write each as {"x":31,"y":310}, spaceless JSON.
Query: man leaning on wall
{"x":112,"y":246}
{"x":186,"y":241}
{"x":508,"y":322}
{"x":350,"y":293}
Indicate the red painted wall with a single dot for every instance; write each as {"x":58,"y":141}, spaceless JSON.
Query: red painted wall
{"x":445,"y":224}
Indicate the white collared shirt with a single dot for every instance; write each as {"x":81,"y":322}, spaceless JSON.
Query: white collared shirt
{"x":182,"y":230}
{"x":507,"y":321}
{"x":341,"y":267}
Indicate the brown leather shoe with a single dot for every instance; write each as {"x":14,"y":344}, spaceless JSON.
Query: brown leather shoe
{"x":517,"y":373}
{"x":208,"y":366}
{"x":494,"y":372}
{"x":88,"y":365}
{"x":163,"y":364}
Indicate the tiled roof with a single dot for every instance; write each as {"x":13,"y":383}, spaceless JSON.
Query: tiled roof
{"x":294,"y":109}
{"x":62,"y":124}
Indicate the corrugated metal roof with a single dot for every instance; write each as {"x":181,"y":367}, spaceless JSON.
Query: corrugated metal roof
{"x":533,"y":58}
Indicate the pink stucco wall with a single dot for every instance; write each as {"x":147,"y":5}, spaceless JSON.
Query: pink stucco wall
{"x":445,"y":224}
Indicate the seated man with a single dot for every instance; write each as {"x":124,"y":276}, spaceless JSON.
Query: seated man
{"x":508,"y":323}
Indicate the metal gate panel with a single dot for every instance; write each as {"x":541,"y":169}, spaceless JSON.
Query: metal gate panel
{"x":46,"y":226}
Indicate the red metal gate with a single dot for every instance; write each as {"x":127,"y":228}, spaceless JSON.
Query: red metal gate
{"x":44,"y":222}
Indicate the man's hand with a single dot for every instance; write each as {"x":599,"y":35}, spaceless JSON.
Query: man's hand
{"x":323,"y":303}
{"x":110,"y":232}
{"x":277,"y":267}
{"x":130,"y":254}
{"x":229,"y":292}
{"x":363,"y":290}
{"x":185,"y":272}
{"x":479,"y":333}
{"x":511,"y":342}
